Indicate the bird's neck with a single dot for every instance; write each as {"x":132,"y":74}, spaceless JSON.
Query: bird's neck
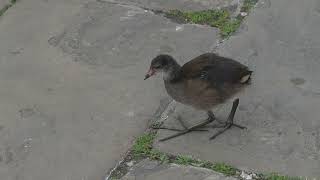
{"x":172,"y":74}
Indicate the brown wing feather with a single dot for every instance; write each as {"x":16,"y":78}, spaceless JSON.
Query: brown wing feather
{"x":195,"y":66}
{"x":216,"y":70}
{"x":208,"y":80}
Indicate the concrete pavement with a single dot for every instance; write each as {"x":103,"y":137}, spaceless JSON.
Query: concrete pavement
{"x":152,"y":170}
{"x":187,"y":5}
{"x":73,"y":98}
{"x":3,"y":3}
{"x":280,"y":42}
{"x":71,"y":84}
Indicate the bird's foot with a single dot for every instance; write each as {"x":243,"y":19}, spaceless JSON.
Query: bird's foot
{"x":186,"y":130}
{"x":227,"y":125}
{"x":160,"y":126}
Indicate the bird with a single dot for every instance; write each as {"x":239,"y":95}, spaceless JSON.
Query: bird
{"x":202,"y":83}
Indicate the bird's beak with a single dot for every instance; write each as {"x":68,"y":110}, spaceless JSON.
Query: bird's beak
{"x":150,"y":73}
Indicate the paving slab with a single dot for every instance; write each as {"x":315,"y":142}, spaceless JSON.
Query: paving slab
{"x":153,"y":170}
{"x":280,"y":43}
{"x":71,"y":84}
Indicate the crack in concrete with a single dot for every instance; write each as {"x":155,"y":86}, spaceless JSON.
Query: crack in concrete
{"x":166,"y":107}
{"x":158,"y":12}
{"x":130,"y":5}
{"x":7,"y":6}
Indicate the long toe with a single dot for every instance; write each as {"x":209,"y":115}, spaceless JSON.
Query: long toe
{"x":221,"y":132}
{"x":239,"y":126}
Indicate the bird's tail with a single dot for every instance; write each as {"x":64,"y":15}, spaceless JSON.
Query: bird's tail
{"x":246,"y":78}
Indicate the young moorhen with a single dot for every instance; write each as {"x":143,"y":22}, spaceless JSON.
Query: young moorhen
{"x":202,"y":83}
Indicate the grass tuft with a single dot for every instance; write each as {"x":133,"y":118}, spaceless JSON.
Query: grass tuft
{"x":160,"y":156}
{"x":7,"y":6}
{"x":275,"y":176}
{"x":143,"y":145}
{"x":184,"y":160}
{"x":4,"y":9}
{"x":218,"y":167}
{"x":224,"y":169}
{"x":143,"y":148}
{"x":248,"y":5}
{"x":216,"y":18}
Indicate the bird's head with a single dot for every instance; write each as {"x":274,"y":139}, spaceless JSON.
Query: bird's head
{"x":161,"y":63}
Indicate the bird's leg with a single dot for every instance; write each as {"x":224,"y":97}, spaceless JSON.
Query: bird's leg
{"x":166,"y":128}
{"x":210,"y":119}
{"x":229,"y":122}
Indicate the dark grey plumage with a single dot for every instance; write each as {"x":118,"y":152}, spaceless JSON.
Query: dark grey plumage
{"x":202,"y":83}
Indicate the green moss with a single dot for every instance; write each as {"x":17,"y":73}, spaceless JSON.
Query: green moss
{"x":143,"y":145}
{"x":7,"y":6}
{"x":184,"y":160}
{"x":275,"y":176}
{"x":142,"y":148}
{"x":218,"y":167}
{"x":224,"y":168}
{"x":229,"y":27}
{"x":160,"y":156}
{"x":248,"y":5}
{"x":4,"y":9}
{"x":215,"y":18}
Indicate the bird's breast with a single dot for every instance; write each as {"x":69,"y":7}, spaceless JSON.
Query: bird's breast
{"x":196,"y":96}
{"x":176,"y":91}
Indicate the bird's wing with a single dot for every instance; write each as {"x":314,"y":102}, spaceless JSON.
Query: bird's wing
{"x":215,"y":70}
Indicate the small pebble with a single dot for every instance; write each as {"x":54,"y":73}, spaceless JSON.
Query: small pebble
{"x":179,"y":28}
{"x":243,"y":14}
{"x":246,"y":176}
{"x":129,"y":164}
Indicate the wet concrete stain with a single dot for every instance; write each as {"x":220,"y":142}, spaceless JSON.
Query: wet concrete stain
{"x":55,"y":40}
{"x":16,"y":51}
{"x":8,"y":155}
{"x":297,"y":81}
{"x":26,"y":112}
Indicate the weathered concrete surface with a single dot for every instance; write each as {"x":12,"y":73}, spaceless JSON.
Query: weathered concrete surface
{"x":4,"y":3}
{"x":71,"y":84}
{"x":152,"y":170}
{"x":280,"y":42}
{"x":182,"y":4}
